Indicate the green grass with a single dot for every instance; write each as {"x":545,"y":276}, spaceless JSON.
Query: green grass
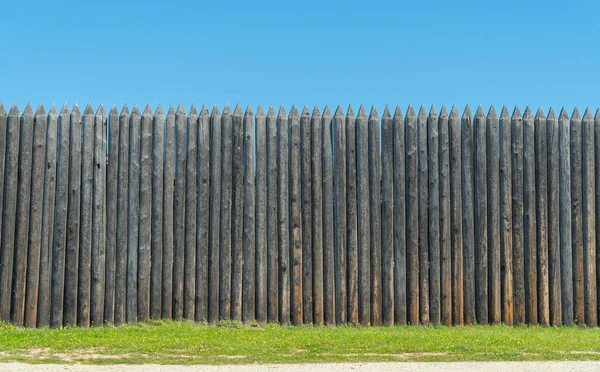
{"x":168,"y":342}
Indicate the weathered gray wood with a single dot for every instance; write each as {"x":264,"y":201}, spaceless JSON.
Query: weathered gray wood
{"x":553,"y":219}
{"x":468,"y":216}
{"x":179,"y":213}
{"x":529,"y":218}
{"x":541,"y":186}
{"x":262,"y":199}
{"x":577,"y":218}
{"x":237,"y":215}
{"x":214,"y":280}
{"x":73,"y":223}
{"x":295,"y":215}
{"x":506,"y":211}
{"x":589,"y":220}
{"x":399,"y":188}
{"x":99,"y":221}
{"x":203,"y":216}
{"x":306,"y":185}
{"x":374,"y":170}
{"x":6,"y":250}
{"x":158,"y":167}
{"x":317,"y":214}
{"x":131,"y":313}
{"x":85,"y":232}
{"x":272,"y":218}
{"x":45,"y":285}
{"x":122,"y":217}
{"x":517,"y":217}
{"x":112,"y":174}
{"x":249,"y":233}
{"x":40,"y":125}
{"x":191,"y":205}
{"x":340,"y":224}
{"x":22,"y":227}
{"x":433,"y":149}
{"x":481,"y":226}
{"x":412,"y":217}
{"x":597,"y":196}
{"x":445,"y":220}
{"x":363,"y":210}
{"x":456,"y":221}
{"x":283,"y":217}
{"x":566,"y":238}
{"x":225,"y":218}
{"x":493,"y":200}
{"x":168,"y":189}
{"x":387,"y":216}
{"x":423,"y":197}
{"x":145,"y":240}
{"x":328,"y":222}
{"x":351,"y":221}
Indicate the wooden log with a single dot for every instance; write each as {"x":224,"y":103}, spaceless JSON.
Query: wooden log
{"x":423,"y":197}
{"x":112,"y":175}
{"x":237,"y":218}
{"x":399,"y":187}
{"x":73,"y":222}
{"x":22,"y":227}
{"x":295,"y":215}
{"x":456,"y":227}
{"x":352,"y":278}
{"x":272,"y":218}
{"x":412,"y":217}
{"x":306,"y":185}
{"x":45,"y":286}
{"x":203,"y":216}
{"x":506,"y":211}
{"x":99,"y":220}
{"x":145,"y":218}
{"x":340,"y":217}
{"x":468,"y":216}
{"x":517,"y":214}
{"x":481,"y":226}
{"x":565,"y":221}
{"x":40,"y":126}
{"x":541,"y":186}
{"x":168,"y":188}
{"x":85,"y":232}
{"x":493,"y":200}
{"x":214,"y":279}
{"x":363,"y":210}
{"x":589,"y":221}
{"x":6,"y":255}
{"x":283,"y":217}
{"x":577,"y":218}
{"x":529,"y":219}
{"x":225,"y":209}
{"x":158,"y":168}
{"x":249,"y":232}
{"x":445,"y":220}
{"x":328,"y":222}
{"x":179,"y":207}
{"x":133,"y":215}
{"x":122,"y":220}
{"x":191,"y":205}
{"x":387,"y":217}
{"x":597,"y":196}
{"x":374,"y":171}
{"x":433,"y":166}
{"x":317,"y":214}
{"x":553,"y":219}
{"x":262,"y":199}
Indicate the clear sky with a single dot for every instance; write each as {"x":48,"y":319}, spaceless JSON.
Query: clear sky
{"x":305,"y":52}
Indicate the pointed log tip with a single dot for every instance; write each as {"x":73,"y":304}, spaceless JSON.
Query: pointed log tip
{"x":305,"y":111}
{"x":226,"y":109}
{"x":260,"y":112}
{"x":422,"y":111}
{"x":410,"y":112}
{"x":171,"y":110}
{"x":215,"y":111}
{"x":14,"y":110}
{"x":53,"y":111}
{"x":597,"y":116}
{"x":2,"y":109}
{"x":100,"y":111}
{"x":551,"y":114}
{"x":386,"y":112}
{"x":326,"y":111}
{"x":454,"y":112}
{"x":527,"y":114}
{"x":443,"y":112}
{"x":271,"y":113}
{"x":88,"y":109}
{"x":587,"y":115}
{"x":237,"y":111}
{"x":76,"y":110}
{"x":504,"y":114}
{"x":492,"y":112}
{"x":294,"y":112}
{"x":180,"y":109}
{"x":361,"y":112}
{"x":249,"y":111}
{"x":281,"y":114}
{"x":28,"y":110}
{"x":316,"y":112}
{"x":373,"y":114}
{"x":563,"y":114}
{"x":479,"y":113}
{"x":193,"y":111}
{"x":350,"y":112}
{"x":147,"y":111}
{"x":432,"y":112}
{"x":517,"y":113}
{"x":575,"y":115}
{"x":125,"y":110}
{"x":135,"y":110}
{"x":398,"y":112}
{"x":539,"y":114}
{"x":40,"y":110}
{"x":467,"y":112}
{"x":159,"y":111}
{"x":339,"y":112}
{"x":113,"y":110}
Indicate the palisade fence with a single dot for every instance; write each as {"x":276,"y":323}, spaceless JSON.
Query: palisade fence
{"x":298,"y":218}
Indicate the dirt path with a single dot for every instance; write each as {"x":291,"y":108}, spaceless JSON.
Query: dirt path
{"x":332,"y":367}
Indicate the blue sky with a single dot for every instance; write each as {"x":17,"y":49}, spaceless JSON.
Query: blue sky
{"x":307,"y":52}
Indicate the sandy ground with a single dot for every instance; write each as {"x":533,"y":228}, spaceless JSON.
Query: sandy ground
{"x":331,"y":367}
